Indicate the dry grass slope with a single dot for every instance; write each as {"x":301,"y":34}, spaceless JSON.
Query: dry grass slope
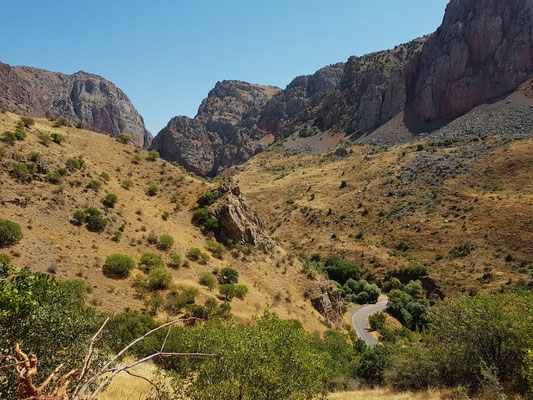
{"x":411,"y":203}
{"x":52,"y":243}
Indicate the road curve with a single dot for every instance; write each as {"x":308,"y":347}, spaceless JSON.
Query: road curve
{"x":360,"y":325}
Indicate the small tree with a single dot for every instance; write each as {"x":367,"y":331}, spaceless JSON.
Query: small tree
{"x":118,"y":266}
{"x":10,"y":233}
{"x":94,"y":185}
{"x":127,"y":184}
{"x":228,"y":275}
{"x":110,"y":200}
{"x":175,"y":261}
{"x":124,"y":138}
{"x":152,"y":190}
{"x":152,"y":155}
{"x":165,"y":242}
{"x":151,"y":261}
{"x":208,"y":279}
{"x":159,"y":279}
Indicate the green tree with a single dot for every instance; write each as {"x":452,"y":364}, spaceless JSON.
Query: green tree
{"x":228,"y":275}
{"x":208,"y":279}
{"x":118,"y":266}
{"x":10,"y":233}
{"x":159,"y":279}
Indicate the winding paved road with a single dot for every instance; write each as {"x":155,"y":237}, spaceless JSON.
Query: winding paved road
{"x":359,"y":322}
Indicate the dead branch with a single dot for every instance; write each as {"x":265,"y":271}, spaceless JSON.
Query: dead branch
{"x":26,"y":367}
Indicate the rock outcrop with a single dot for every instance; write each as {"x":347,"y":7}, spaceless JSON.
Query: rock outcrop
{"x":327,"y":300}
{"x":483,"y":50}
{"x":80,"y":97}
{"x":238,"y":222}
{"x":223,"y":133}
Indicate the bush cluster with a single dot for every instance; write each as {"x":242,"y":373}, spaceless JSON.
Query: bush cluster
{"x":10,"y":233}
{"x":118,"y":266}
{"x":92,"y":217}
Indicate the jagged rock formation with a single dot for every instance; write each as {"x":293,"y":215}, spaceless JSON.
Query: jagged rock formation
{"x":483,"y":50}
{"x":80,"y":97}
{"x":224,"y":131}
{"x":238,"y":222}
{"x":327,"y":300}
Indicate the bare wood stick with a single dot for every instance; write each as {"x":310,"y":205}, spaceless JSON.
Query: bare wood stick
{"x":87,"y":362}
{"x":104,"y":369}
{"x":49,"y":379}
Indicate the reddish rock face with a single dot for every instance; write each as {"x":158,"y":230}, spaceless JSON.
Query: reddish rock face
{"x":483,"y":49}
{"x":80,"y":97}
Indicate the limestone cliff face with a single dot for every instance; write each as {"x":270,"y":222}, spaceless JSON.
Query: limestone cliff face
{"x":223,"y":133}
{"x":483,"y":49}
{"x":80,"y":97}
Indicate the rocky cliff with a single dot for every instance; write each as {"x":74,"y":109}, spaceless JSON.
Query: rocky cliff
{"x":80,"y":97}
{"x":482,"y":50}
{"x":224,"y":131}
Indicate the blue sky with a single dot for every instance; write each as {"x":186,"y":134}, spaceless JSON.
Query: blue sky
{"x":167,"y":54}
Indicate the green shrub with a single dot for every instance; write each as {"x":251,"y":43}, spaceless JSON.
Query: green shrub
{"x":137,"y":158}
{"x":159,"y":279}
{"x":208,"y":199}
{"x":21,"y":172}
{"x":75,"y":163}
{"x":60,"y":122}
{"x":377,"y":321}
{"x":414,"y":271}
{"x":118,"y":266}
{"x":414,"y":288}
{"x":200,"y":215}
{"x":5,"y":259}
{"x":27,"y":121}
{"x":44,"y":138}
{"x":58,"y":138}
{"x":80,"y":125}
{"x":77,"y":288}
{"x":2,"y":151}
{"x":230,"y":291}
{"x":152,"y":155}
{"x":62,"y":171}
{"x":165,"y":215}
{"x":10,"y":233}
{"x":152,"y":190}
{"x":462,"y":250}
{"x":127,"y":184}
{"x":151,"y":261}
{"x":104,"y":176}
{"x":211,"y":224}
{"x":175,"y":261}
{"x":79,"y":217}
{"x":176,"y":301}
{"x":124,"y":138}
{"x":110,"y":200}
{"x":228,"y":275}
{"x":95,"y":222}
{"x":54,"y":178}
{"x":195,"y":254}
{"x":209,"y":280}
{"x":154,"y":303}
{"x":9,"y":137}
{"x":94,"y":185}
{"x":20,"y":135}
{"x":216,"y":249}
{"x":165,"y":242}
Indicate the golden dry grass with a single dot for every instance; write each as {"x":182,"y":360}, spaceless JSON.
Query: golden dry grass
{"x":386,"y":394}
{"x":301,"y":199}
{"x":125,"y":386}
{"x":53,"y":244}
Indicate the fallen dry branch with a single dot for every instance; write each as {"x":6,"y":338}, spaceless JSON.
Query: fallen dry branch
{"x":26,"y":367}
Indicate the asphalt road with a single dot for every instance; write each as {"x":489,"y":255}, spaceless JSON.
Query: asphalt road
{"x":360,"y":325}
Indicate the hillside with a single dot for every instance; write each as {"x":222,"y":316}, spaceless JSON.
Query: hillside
{"x":461,"y":208}
{"x":53,"y":243}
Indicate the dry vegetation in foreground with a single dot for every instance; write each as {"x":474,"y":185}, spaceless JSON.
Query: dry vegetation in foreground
{"x":421,"y":203}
